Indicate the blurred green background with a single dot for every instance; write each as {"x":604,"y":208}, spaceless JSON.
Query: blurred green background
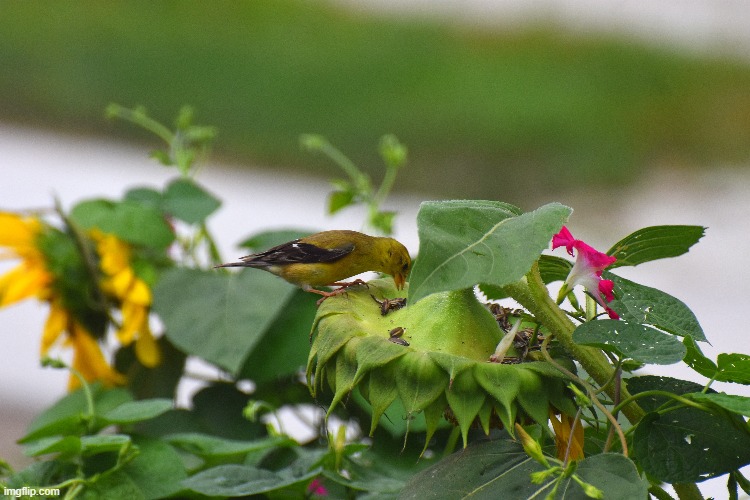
{"x":490,"y":113}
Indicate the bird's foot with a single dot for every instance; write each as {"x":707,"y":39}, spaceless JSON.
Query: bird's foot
{"x":343,"y":287}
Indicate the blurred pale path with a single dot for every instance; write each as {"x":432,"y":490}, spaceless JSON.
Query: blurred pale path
{"x":713,"y":279}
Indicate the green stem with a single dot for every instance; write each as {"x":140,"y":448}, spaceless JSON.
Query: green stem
{"x":532,"y":293}
{"x":139,"y":117}
{"x":663,"y":394}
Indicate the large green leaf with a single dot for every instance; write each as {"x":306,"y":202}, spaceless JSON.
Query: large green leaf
{"x":633,"y":341}
{"x":688,"y":445}
{"x":69,"y":415}
{"x":157,"y":470}
{"x":242,"y":480}
{"x":655,"y":242}
{"x":131,"y":221}
{"x":284,"y":348}
{"x":501,"y":469}
{"x":463,"y":243}
{"x":220,"y":316}
{"x":208,"y":446}
{"x":642,"y":304}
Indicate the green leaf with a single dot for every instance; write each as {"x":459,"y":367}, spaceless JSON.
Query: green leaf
{"x":269,"y":239}
{"x":463,"y":243}
{"x":500,"y":469}
{"x":697,"y":361}
{"x":137,"y":411}
{"x":614,"y":474}
{"x":733,"y":403}
{"x":688,"y":445}
{"x":338,"y":200}
{"x":383,"y":221}
{"x":554,"y":268}
{"x":219,"y":316}
{"x":65,"y":445}
{"x":733,"y":368}
{"x":641,"y":304}
{"x":103,"y":443}
{"x":240,"y":480}
{"x":189,"y":202}
{"x":130,"y":221}
{"x":69,"y":416}
{"x":115,"y":485}
{"x":655,"y":242}
{"x":283,"y":350}
{"x":480,"y":471}
{"x":207,"y":446}
{"x":144,"y":196}
{"x":634,"y":341}
{"x":157,"y":470}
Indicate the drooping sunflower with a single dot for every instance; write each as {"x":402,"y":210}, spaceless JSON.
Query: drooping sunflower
{"x":435,"y":356}
{"x":83,"y":281}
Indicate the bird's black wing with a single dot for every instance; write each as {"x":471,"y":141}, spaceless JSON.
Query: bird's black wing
{"x":296,"y":252}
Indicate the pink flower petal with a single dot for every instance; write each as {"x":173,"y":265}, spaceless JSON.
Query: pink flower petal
{"x":564,"y":239}
{"x":606,"y":286}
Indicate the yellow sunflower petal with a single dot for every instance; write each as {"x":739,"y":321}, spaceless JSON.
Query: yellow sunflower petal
{"x":147,"y":350}
{"x":18,"y":232}
{"x":89,"y":360}
{"x":121,"y":282}
{"x":24,"y":281}
{"x":54,"y":326}
{"x":134,"y":320}
{"x":139,"y":293}
{"x":115,"y":254}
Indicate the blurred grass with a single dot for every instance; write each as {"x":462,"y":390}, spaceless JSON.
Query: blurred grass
{"x":485,"y":114}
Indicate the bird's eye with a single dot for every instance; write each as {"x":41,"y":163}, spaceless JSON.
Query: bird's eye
{"x":405,"y":267}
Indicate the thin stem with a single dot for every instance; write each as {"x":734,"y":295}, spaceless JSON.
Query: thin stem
{"x":664,"y":394}
{"x":139,"y":117}
{"x":591,"y":394}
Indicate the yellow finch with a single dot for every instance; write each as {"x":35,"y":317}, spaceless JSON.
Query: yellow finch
{"x":323,"y":259}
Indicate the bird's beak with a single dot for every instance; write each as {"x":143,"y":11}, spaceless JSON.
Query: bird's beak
{"x":400,"y":280}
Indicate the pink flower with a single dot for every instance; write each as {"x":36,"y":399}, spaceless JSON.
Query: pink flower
{"x":316,"y":488}
{"x":587,"y":270}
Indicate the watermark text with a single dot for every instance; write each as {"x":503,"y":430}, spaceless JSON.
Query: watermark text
{"x":27,"y":491}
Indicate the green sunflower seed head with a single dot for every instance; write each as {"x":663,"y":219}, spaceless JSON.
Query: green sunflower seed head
{"x":433,"y":356}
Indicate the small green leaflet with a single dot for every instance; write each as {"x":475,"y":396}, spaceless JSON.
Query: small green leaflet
{"x":732,"y":367}
{"x":655,"y":242}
